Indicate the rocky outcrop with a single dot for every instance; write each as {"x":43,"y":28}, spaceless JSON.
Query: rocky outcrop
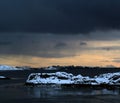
{"x":68,"y":79}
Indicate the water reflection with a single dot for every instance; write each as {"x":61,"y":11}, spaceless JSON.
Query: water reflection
{"x":42,"y":92}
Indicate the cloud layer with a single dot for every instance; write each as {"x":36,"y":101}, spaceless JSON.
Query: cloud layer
{"x":59,"y":16}
{"x":57,"y":46}
{"x":60,"y":29}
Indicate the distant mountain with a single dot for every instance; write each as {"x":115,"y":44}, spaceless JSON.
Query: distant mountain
{"x":51,"y":68}
{"x":6,"y":67}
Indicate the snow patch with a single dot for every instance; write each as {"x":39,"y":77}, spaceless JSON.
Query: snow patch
{"x":51,"y":68}
{"x":2,"y":77}
{"x":109,"y":78}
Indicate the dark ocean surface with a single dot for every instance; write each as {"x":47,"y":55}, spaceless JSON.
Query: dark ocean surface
{"x":14,"y":90}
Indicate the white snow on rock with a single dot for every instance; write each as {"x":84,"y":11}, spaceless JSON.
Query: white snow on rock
{"x":50,"y":78}
{"x":79,"y":79}
{"x":2,"y":77}
{"x":5,"y":67}
{"x":108,"y":78}
{"x":64,"y":75}
{"x":68,"y":78}
{"x":55,"y":78}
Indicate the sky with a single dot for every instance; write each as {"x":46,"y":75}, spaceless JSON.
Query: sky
{"x":41,"y":33}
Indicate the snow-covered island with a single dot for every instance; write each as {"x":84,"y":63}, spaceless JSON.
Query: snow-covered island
{"x":68,"y":79}
{"x":3,"y":77}
{"x":6,"y":67}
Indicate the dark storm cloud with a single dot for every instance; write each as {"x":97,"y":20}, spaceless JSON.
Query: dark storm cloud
{"x":59,"y":16}
{"x":47,"y":46}
{"x":20,"y":19}
{"x":105,"y":48}
{"x":110,"y":48}
{"x":5,"y":43}
{"x":83,"y":43}
{"x":60,"y":45}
